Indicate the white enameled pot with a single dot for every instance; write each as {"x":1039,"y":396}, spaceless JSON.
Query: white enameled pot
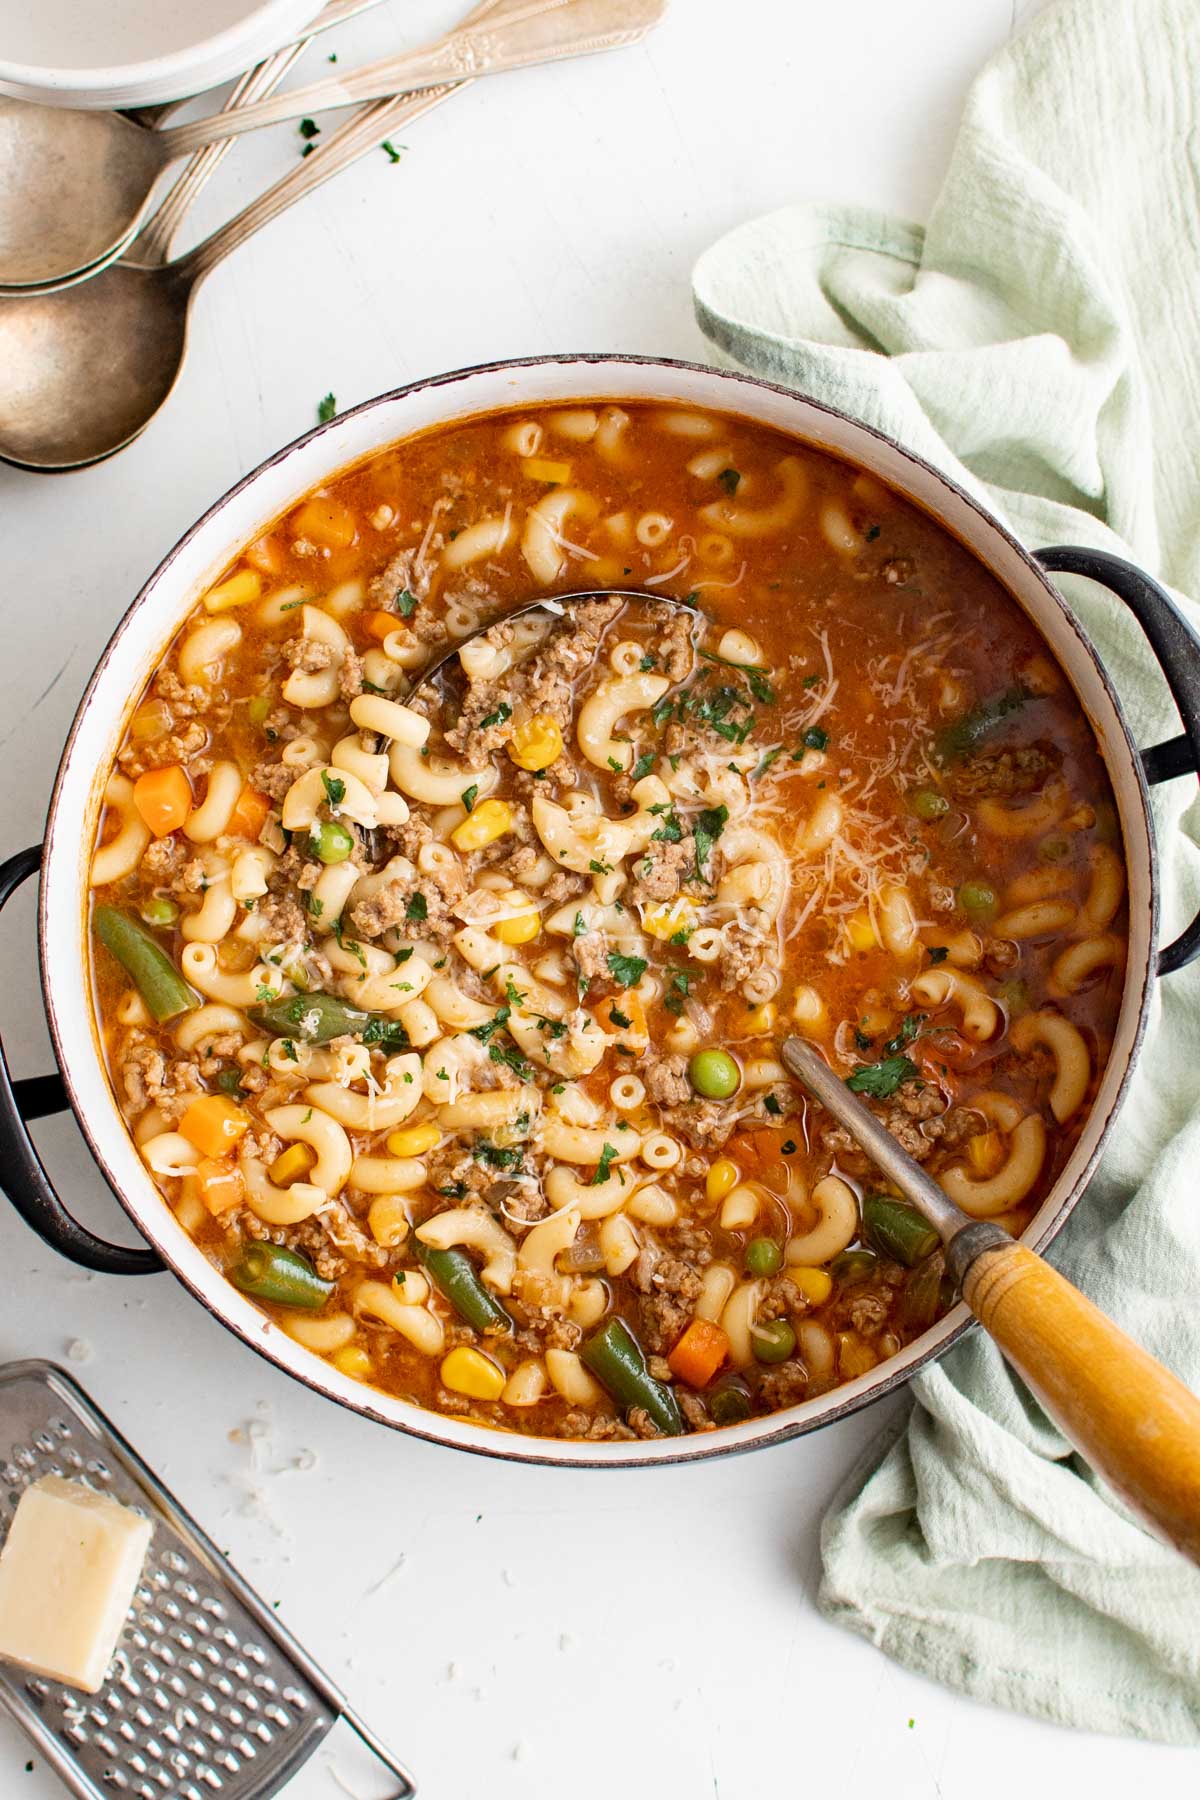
{"x":134,"y":653}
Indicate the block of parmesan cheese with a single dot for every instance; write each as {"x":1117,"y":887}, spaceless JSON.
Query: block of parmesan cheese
{"x":68,"y":1572}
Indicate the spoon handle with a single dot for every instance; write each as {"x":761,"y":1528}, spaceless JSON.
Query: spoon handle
{"x":1131,"y":1418}
{"x":536,"y":32}
{"x":360,"y":134}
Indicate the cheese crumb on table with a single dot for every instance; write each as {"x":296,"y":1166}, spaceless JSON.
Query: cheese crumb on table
{"x":68,"y":1572}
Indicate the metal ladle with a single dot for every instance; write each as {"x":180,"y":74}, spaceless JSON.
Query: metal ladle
{"x":73,"y":185}
{"x":1134,"y":1422}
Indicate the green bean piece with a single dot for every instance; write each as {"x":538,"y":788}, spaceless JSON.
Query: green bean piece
{"x":615,"y":1358}
{"x":897,"y":1229}
{"x":714,"y":1074}
{"x":454,"y":1274}
{"x":978,"y":899}
{"x":1055,"y":848}
{"x":763,"y":1256}
{"x":853,"y":1266}
{"x":329,"y":841}
{"x":229,"y":1081}
{"x":928,"y":804}
{"x":773,"y":1341}
{"x":966,"y":734}
{"x":153,"y":973}
{"x":270,"y":1272}
{"x":921,"y":1297}
{"x":318,"y":1018}
{"x":729,"y":1403}
{"x":258,"y":709}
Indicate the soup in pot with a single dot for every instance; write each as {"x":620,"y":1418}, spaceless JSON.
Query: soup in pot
{"x":446,"y":1016}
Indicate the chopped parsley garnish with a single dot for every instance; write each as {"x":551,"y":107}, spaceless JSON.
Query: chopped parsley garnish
{"x":910,"y":1027}
{"x":513,"y":994}
{"x":938,"y":953}
{"x":661,"y":712}
{"x":457,"y":1190}
{"x":264,"y":994}
{"x":402,"y":956}
{"x":335,"y":787}
{"x":502,"y":713}
{"x":815,"y":739}
{"x":764,"y":762}
{"x":389,"y":1034}
{"x":871,"y":533}
{"x":554,"y":1028}
{"x":491,"y":1026}
{"x":352,"y":946}
{"x":621,"y":1020}
{"x":599,"y":868}
{"x":709,"y":826}
{"x":579,"y":925}
{"x":678,"y":990}
{"x":626,"y":971}
{"x":417,"y":910}
{"x":642,"y":766}
{"x":497,"y":1156}
{"x":469,"y":796}
{"x":788,"y":1147}
{"x":511,"y":1057}
{"x":607,"y":1155}
{"x":879,"y":1080}
{"x":772,"y":1105}
{"x":614,"y":765}
{"x":811,"y":681}
{"x":760,"y":687}
{"x":670,"y":830}
{"x":315,"y":907}
{"x":406,"y":603}
{"x":328,"y":407}
{"x":729,"y":480}
{"x":680,"y":937}
{"x":646,"y":663}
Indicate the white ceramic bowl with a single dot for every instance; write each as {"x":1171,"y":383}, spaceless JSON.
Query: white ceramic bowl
{"x":109,"y":53}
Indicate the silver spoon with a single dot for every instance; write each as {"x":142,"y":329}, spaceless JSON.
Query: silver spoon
{"x":152,"y":243}
{"x":1136,"y":1423}
{"x":84,"y":370}
{"x":73,"y":185}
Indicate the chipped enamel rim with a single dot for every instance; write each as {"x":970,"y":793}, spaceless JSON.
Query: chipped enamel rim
{"x":134,"y":652}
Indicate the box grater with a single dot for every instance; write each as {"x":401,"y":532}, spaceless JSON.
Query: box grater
{"x":208,"y":1696}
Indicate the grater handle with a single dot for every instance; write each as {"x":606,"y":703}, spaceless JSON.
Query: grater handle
{"x":363,"y":1732}
{"x":25,"y":1180}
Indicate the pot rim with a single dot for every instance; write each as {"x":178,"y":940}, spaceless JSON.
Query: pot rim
{"x":849,"y":1397}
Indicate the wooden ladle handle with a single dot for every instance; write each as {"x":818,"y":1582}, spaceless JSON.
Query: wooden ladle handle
{"x":1134,"y":1422}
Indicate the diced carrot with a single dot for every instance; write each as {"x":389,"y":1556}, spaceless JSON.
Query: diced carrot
{"x":380,"y":624}
{"x":214,"y":1123}
{"x":699,"y":1353}
{"x":249,"y":813}
{"x":324,"y":521}
{"x":163,"y":797}
{"x":755,"y":1150}
{"x":609,"y":1014}
{"x":220,"y":1186}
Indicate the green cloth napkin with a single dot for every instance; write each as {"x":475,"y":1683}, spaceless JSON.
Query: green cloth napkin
{"x":1039,"y":341}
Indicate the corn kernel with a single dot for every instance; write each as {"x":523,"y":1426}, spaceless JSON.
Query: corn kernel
{"x":542,"y":468}
{"x":295,"y":1161}
{"x":815,"y":1284}
{"x":490,"y":820}
{"x":722,"y":1178}
{"x":388,"y":1220}
{"x":238,"y":590}
{"x":353,"y":1360}
{"x":469,"y":1372}
{"x":151,"y":720}
{"x":665,"y":922}
{"x":536,"y":742}
{"x":524,"y":926}
{"x":854,"y":1356}
{"x":414,"y":1140}
{"x":760,"y":1020}
{"x":861,"y":932}
{"x":985,"y":1152}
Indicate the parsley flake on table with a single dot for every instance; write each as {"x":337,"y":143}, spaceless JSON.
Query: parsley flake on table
{"x":327,"y":409}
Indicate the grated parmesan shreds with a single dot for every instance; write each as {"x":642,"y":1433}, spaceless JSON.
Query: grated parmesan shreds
{"x":436,"y":510}
{"x":567,"y":544}
{"x":658,"y":580}
{"x":702,"y":587}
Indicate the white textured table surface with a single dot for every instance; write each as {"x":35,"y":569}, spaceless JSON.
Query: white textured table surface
{"x":512,"y":1631}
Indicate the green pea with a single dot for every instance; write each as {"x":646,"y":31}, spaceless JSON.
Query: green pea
{"x":330,"y":842}
{"x":230,"y":1081}
{"x":1014,"y":996}
{"x":730,"y":1403}
{"x":258,"y":709}
{"x":714,"y":1074}
{"x":159,"y":911}
{"x":1055,"y":848}
{"x":763,"y":1256}
{"x":774,"y":1341}
{"x":977,"y":899}
{"x":928,"y":804}
{"x":853,"y":1266}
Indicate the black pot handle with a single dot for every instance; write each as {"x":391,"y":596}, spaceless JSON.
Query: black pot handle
{"x":25,"y":1179}
{"x":1177,"y":650}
